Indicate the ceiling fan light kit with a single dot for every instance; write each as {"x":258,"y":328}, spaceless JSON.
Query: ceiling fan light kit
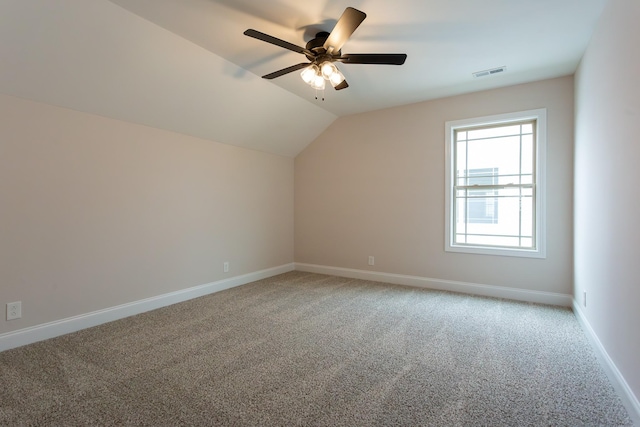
{"x":325,"y":49}
{"x":315,"y":77}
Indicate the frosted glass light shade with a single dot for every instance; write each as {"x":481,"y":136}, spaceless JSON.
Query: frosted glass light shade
{"x":328,"y":69}
{"x":309,"y":74}
{"x":336,"y":78}
{"x":318,"y":83}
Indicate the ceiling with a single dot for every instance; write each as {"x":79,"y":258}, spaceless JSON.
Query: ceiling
{"x":185,"y":65}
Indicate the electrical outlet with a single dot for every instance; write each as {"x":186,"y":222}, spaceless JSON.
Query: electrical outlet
{"x":584,"y":298}
{"x":225,"y":267}
{"x":372,"y":260}
{"x":14,"y":310}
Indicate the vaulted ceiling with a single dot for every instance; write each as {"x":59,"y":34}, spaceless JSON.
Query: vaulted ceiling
{"x":185,"y":65}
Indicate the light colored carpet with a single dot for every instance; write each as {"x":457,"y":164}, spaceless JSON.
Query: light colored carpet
{"x":308,"y":349}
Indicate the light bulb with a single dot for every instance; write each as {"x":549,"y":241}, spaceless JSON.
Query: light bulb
{"x":309,"y":74}
{"x":318,"y":82}
{"x":328,"y":69}
{"x":336,"y":78}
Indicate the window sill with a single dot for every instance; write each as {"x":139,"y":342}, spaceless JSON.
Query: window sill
{"x":484,"y":250}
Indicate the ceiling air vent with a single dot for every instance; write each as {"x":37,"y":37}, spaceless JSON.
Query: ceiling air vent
{"x":490,"y":72}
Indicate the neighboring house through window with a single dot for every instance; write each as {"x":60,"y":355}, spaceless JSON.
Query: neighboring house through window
{"x":495,"y":184}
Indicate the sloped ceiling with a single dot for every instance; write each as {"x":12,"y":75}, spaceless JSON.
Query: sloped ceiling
{"x":185,"y":66}
{"x":96,"y":57}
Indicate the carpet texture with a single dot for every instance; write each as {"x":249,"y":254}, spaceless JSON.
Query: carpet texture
{"x":314,"y":350}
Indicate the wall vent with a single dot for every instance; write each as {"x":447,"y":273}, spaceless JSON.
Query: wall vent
{"x":490,"y":72}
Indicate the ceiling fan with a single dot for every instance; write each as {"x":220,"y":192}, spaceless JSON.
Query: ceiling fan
{"x":325,"y":49}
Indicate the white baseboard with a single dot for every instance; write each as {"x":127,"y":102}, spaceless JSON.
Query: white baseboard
{"x":627,"y":396}
{"x":539,"y":297}
{"x":72,"y":324}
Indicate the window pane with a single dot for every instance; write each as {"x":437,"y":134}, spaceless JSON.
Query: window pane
{"x":500,"y":153}
{"x":492,"y":215}
{"x":494,"y":132}
{"x":461,"y":161}
{"x":500,"y":216}
{"x":527,"y":154}
{"x":526,"y":179}
{"x":482,"y":210}
{"x":494,"y":241}
{"x":483,"y":176}
{"x":515,"y":179}
{"x":527,"y":216}
{"x":526,"y":242}
{"x":461,"y":218}
{"x":528,"y":192}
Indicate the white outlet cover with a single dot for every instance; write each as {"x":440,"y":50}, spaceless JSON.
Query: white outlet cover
{"x":14,"y":310}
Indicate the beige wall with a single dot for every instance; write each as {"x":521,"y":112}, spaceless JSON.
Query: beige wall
{"x":373,"y":184}
{"x":607,"y":201}
{"x":97,"y":212}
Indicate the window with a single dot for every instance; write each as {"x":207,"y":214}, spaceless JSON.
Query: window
{"x":495,"y":184}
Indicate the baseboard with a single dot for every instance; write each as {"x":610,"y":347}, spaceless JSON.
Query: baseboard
{"x":443,"y":285}
{"x":627,"y":396}
{"x":72,"y":324}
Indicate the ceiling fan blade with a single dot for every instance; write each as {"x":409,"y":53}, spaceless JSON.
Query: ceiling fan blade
{"x":373,"y":58}
{"x":286,"y":70}
{"x":342,"y":85}
{"x":273,"y":40}
{"x":350,"y":20}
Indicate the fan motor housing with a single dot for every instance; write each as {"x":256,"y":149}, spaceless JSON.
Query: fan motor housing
{"x":316,"y":45}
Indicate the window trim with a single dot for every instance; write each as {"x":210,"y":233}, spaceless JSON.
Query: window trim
{"x":540,"y":116}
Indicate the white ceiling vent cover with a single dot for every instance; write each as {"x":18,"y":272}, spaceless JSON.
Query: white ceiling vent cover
{"x":490,"y":72}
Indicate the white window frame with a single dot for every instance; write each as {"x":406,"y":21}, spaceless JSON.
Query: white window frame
{"x":540,"y":117}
